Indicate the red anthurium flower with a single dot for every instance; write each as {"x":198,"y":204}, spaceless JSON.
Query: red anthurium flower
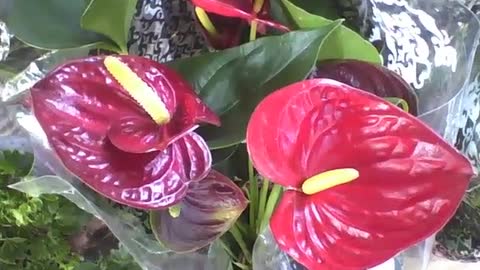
{"x":364,"y":179}
{"x":243,"y":9}
{"x":124,"y":125}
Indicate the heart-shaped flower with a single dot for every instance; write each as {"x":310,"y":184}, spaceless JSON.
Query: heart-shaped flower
{"x":209,"y":209}
{"x":223,"y":21}
{"x":123,"y":125}
{"x":364,"y":179}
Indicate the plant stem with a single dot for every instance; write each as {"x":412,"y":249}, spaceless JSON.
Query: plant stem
{"x":262,"y":202}
{"x":272,"y":202}
{"x":399,"y":101}
{"x":253,"y":30}
{"x":257,"y":7}
{"x":243,"y":228}
{"x":228,"y":250}
{"x":241,"y":243}
{"x":253,"y":194}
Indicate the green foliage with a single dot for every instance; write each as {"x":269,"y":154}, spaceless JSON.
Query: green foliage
{"x":119,"y":259}
{"x":60,"y":24}
{"x":111,"y":18}
{"x":335,"y":46}
{"x":34,"y":231}
{"x":234,"y":81}
{"x":50,"y":24}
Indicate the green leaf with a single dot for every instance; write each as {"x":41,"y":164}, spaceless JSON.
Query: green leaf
{"x":111,"y":18}
{"x":325,"y":8}
{"x":342,"y":44}
{"x":234,"y":81}
{"x":86,"y":266}
{"x":50,"y":24}
{"x":13,"y":239}
{"x":15,"y":163}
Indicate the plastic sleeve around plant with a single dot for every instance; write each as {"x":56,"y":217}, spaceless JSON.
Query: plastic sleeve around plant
{"x":126,"y":225}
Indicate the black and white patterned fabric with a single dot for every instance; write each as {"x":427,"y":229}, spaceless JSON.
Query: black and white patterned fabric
{"x":4,"y":41}
{"x":165,"y":30}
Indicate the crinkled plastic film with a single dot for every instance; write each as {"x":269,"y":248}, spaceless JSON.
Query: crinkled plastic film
{"x":52,"y":178}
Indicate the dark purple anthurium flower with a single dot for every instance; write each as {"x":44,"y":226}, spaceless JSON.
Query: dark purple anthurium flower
{"x":373,"y":78}
{"x":124,"y":125}
{"x":210,"y":208}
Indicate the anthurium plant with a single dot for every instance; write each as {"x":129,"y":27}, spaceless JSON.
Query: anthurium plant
{"x":291,"y":124}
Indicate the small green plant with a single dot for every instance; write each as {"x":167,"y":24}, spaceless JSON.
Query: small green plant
{"x":35,"y":231}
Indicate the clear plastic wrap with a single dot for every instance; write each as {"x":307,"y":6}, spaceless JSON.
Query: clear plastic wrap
{"x":267,"y":256}
{"x":52,"y":178}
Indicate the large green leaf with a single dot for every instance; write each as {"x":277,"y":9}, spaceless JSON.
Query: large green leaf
{"x":343,"y":44}
{"x":234,"y":81}
{"x":111,"y":18}
{"x":50,"y":24}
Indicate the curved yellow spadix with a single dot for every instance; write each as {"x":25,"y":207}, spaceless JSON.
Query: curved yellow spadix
{"x":138,"y":90}
{"x":329,"y":179}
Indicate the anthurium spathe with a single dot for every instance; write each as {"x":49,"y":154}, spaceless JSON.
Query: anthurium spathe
{"x":369,"y":77}
{"x":209,"y":209}
{"x":251,"y":11}
{"x":124,"y":125}
{"x":364,"y":179}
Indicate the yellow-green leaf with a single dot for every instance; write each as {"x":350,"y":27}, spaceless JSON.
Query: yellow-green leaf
{"x":344,"y":43}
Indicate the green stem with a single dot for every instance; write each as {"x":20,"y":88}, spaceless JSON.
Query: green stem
{"x":253,"y":194}
{"x":228,"y":250}
{"x":253,"y":30}
{"x":257,"y":7}
{"x":243,"y":228}
{"x":271,"y":204}
{"x":241,"y":243}
{"x":399,"y":101}
{"x":262,"y":201}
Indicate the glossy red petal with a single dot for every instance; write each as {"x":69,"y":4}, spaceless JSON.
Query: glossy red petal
{"x":84,"y":93}
{"x":410,"y":184}
{"x":236,"y":9}
{"x":185,"y":107}
{"x":268,"y":136}
{"x":207,"y":212}
{"x":152,"y":180}
{"x":141,"y":135}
